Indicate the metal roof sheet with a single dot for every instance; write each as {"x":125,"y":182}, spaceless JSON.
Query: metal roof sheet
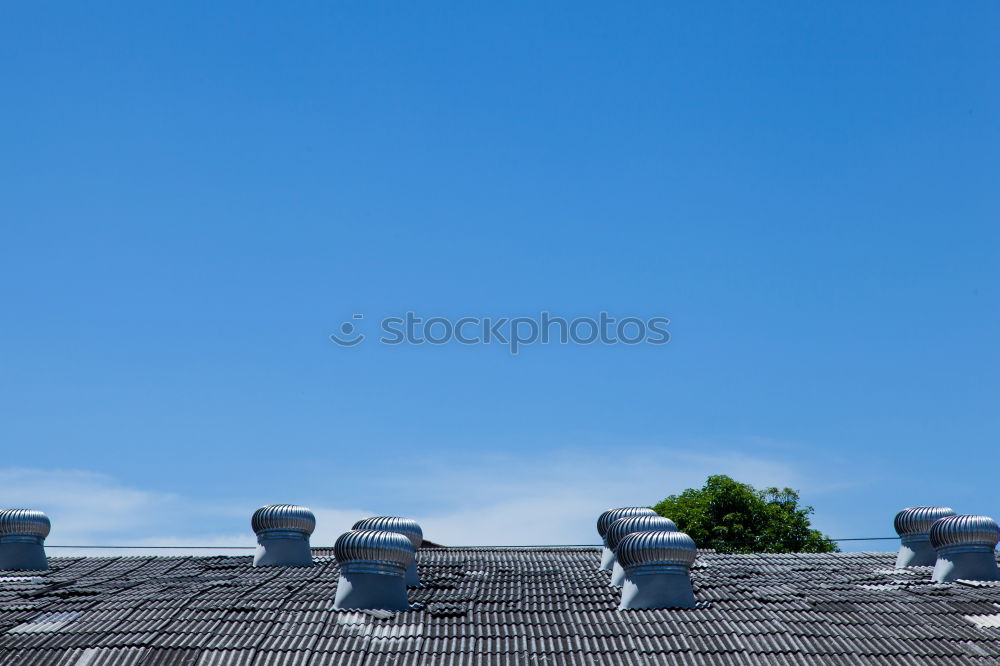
{"x":493,"y":607}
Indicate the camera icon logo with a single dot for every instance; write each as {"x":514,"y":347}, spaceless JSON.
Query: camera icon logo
{"x":349,"y":338}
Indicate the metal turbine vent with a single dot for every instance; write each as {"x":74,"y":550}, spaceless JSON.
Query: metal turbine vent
{"x":22,"y":539}
{"x":373,"y":567}
{"x":373,"y":551}
{"x":965,"y":546}
{"x":24,"y":524}
{"x":405,"y":526}
{"x":965,"y":532}
{"x":917,"y":520}
{"x":625,"y":526}
{"x":283,"y":518}
{"x":655,"y":550}
{"x":913,"y":525}
{"x":657,"y":570}
{"x":611,"y":515}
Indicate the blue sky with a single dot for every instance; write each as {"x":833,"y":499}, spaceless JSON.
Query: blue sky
{"x":195,"y":198}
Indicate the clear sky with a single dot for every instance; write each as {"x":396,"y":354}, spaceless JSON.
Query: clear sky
{"x":193,"y":198}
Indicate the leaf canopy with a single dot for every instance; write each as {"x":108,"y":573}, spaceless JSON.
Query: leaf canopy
{"x":734,"y":517}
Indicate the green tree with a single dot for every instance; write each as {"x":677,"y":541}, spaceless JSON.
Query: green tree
{"x":734,"y":517}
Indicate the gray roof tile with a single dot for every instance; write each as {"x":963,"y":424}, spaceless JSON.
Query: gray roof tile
{"x":487,"y":606}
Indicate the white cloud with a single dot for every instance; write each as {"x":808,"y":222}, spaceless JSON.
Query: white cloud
{"x":331,"y":523}
{"x":556,"y":498}
{"x":87,"y":508}
{"x":91,"y":509}
{"x":82,"y":505}
{"x":551,"y":498}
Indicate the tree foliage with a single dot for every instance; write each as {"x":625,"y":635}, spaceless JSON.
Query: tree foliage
{"x":734,"y":517}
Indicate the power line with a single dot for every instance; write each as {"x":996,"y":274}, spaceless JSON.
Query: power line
{"x":548,"y":545}
{"x":163,"y":547}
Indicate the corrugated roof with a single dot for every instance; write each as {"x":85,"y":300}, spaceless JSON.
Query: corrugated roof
{"x":493,"y":606}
